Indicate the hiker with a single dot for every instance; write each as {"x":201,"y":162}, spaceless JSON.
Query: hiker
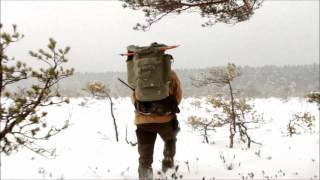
{"x":157,"y":93}
{"x":167,"y":126}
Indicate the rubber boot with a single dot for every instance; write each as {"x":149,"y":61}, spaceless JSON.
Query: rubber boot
{"x":145,"y":173}
{"x":168,"y":153}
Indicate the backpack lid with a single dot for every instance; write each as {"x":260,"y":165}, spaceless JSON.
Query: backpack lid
{"x":153,"y":47}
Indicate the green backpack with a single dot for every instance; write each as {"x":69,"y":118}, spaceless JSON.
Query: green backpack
{"x":149,"y":72}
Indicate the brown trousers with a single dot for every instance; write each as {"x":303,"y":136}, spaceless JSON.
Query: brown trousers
{"x":146,"y":137}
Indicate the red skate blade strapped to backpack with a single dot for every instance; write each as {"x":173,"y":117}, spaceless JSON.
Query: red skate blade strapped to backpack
{"x":161,"y":49}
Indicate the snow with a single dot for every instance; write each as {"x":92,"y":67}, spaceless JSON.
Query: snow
{"x":88,"y":149}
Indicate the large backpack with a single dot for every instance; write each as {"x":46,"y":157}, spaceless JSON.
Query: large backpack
{"x":149,"y":72}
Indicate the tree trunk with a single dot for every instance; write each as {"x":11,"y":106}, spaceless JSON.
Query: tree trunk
{"x":233,"y":116}
{"x":231,"y":137}
{"x":206,"y":134}
{"x":114,"y":119}
{"x":1,"y":77}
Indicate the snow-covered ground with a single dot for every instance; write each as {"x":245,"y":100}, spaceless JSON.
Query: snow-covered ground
{"x":88,"y":150}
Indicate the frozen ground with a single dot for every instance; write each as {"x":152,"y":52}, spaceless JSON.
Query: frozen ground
{"x":88,"y":150}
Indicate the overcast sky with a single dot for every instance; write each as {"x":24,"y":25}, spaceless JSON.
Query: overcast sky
{"x":280,"y":33}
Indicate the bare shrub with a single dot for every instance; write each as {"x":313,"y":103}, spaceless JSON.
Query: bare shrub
{"x":301,"y":122}
{"x":99,"y":90}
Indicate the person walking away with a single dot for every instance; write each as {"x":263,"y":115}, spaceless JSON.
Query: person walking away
{"x":156,"y":95}
{"x":167,"y":126}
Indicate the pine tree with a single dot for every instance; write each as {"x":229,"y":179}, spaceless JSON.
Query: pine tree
{"x":224,"y":11}
{"x":22,"y":121}
{"x":235,"y":110}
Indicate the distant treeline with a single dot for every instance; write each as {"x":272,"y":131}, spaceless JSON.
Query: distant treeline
{"x":266,"y":81}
